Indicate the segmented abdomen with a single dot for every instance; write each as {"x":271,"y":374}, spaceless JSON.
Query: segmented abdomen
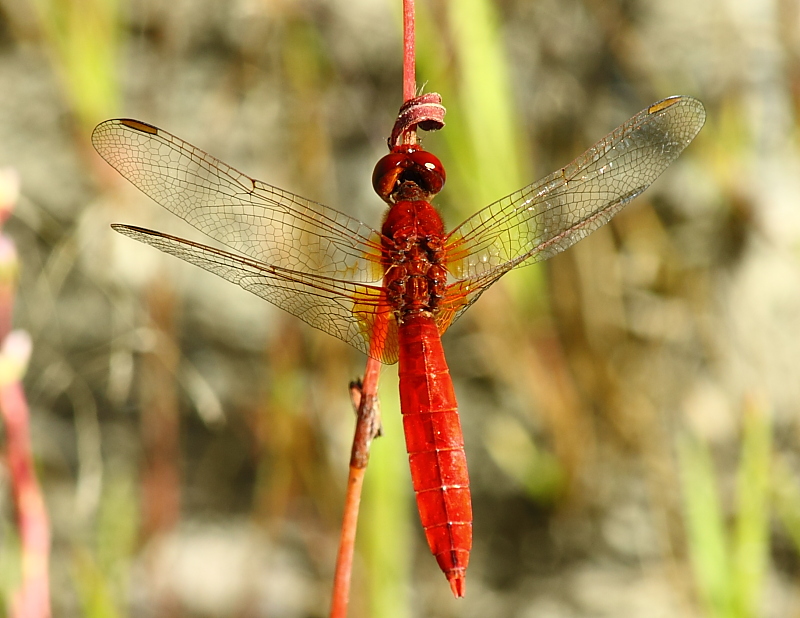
{"x":435,"y":446}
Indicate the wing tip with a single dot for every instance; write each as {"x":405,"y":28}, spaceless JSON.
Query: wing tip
{"x":682,"y":99}
{"x":671,"y":100}
{"x":129,"y":230}
{"x":136,"y":125}
{"x":663,"y":104}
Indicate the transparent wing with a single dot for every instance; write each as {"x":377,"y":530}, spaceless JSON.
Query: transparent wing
{"x":353,"y":312}
{"x":551,"y":215}
{"x":254,"y":218}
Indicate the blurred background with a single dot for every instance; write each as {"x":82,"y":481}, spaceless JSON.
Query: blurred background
{"x":630,"y":407}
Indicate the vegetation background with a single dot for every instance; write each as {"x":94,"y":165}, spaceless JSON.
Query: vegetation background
{"x":630,"y":407}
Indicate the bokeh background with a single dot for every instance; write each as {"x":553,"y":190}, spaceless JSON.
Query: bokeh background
{"x":630,"y":407}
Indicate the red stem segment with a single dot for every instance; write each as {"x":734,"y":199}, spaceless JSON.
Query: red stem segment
{"x":426,"y":112}
{"x":32,"y":598}
{"x":409,"y":56}
{"x":365,"y":399}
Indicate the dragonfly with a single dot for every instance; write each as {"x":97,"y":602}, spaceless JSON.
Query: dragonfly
{"x":392,"y":292}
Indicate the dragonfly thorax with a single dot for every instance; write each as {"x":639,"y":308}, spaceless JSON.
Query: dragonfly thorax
{"x":414,"y":276}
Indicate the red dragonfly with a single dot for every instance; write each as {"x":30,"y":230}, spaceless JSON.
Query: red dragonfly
{"x":392,"y":293}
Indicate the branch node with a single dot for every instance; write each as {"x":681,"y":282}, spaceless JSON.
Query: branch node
{"x":425,"y":112}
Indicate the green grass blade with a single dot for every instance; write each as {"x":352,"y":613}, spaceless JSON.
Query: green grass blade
{"x":705,"y":528}
{"x":84,"y":38}
{"x":786,"y":492}
{"x":482,"y":137}
{"x":751,"y":540}
{"x":385,"y":538}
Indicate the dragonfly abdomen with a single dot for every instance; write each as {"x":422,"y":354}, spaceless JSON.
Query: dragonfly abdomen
{"x":435,"y":446}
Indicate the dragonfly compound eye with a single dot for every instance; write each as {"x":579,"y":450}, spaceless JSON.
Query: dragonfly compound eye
{"x":408,"y":164}
{"x":387,"y":172}
{"x":429,"y":170}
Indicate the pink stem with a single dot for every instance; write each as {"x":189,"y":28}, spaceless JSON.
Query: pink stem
{"x":32,"y":600}
{"x":409,"y":57}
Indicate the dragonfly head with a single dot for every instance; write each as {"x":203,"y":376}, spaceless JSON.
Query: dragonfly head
{"x":408,"y":164}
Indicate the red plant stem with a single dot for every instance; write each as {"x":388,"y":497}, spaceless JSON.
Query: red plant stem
{"x":365,"y":398}
{"x":160,"y":419}
{"x":409,"y":56}
{"x":424,"y":111}
{"x":32,"y":600}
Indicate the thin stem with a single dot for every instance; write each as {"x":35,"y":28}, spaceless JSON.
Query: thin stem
{"x":424,"y":111}
{"x":32,"y":598}
{"x":409,"y":56}
{"x":368,"y":424}
{"x":365,"y":399}
{"x":365,"y":395}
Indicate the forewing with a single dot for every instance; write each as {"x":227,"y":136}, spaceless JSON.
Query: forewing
{"x":254,"y":218}
{"x":551,"y":215}
{"x":353,"y":312}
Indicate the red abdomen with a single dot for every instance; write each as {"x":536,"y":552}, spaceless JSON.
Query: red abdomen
{"x":435,"y":446}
